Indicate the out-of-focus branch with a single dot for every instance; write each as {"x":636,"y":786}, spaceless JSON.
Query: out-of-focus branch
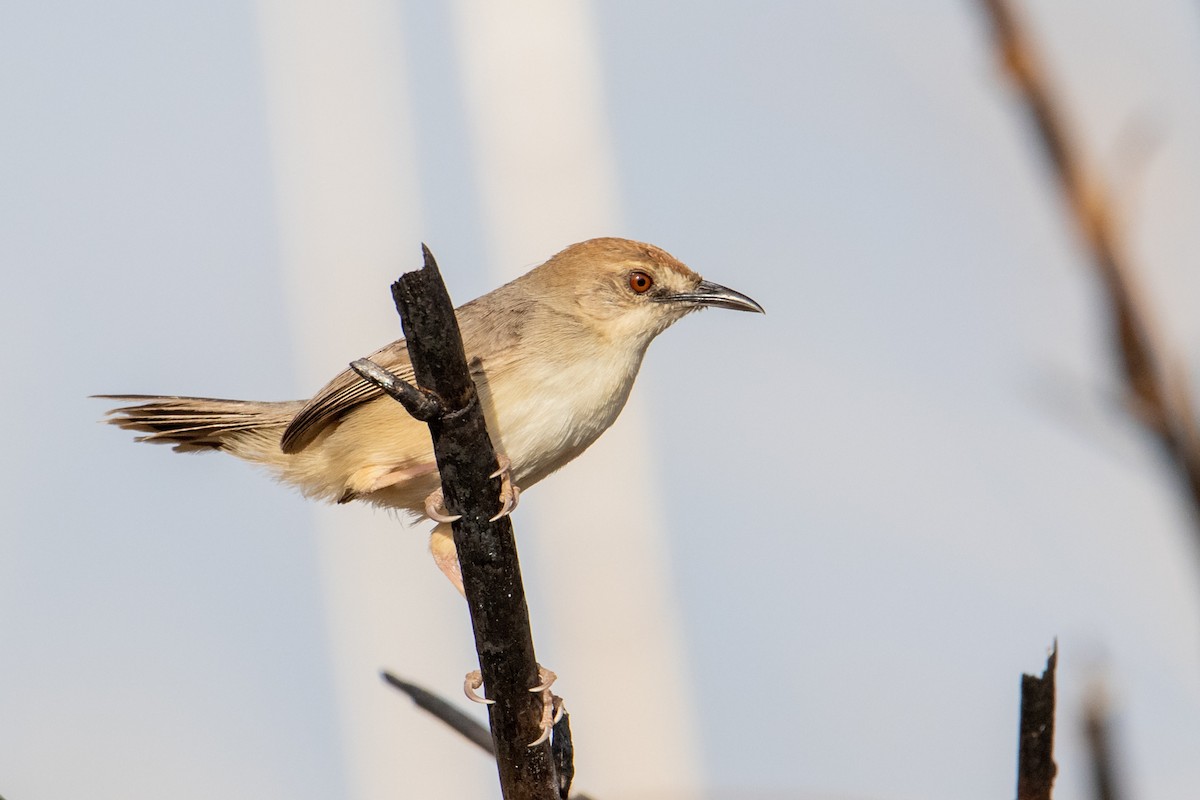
{"x":1035,"y":760}
{"x":562,"y":750}
{"x":1097,"y":725}
{"x":1156,"y":381}
{"x":474,"y":732}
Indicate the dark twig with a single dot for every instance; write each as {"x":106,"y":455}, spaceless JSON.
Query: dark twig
{"x":421,"y":404}
{"x":561,"y":747}
{"x":487,"y":551}
{"x":1035,"y":760}
{"x":1098,"y":732}
{"x":474,"y":732}
{"x":563,"y":750}
{"x":1158,"y":388}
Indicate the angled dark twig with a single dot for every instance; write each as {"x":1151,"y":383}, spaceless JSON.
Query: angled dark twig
{"x":421,"y":404}
{"x":1158,"y":388}
{"x":561,"y":746}
{"x":1035,"y":760}
{"x":471,"y":730}
{"x":487,"y":551}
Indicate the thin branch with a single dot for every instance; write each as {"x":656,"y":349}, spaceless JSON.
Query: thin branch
{"x":421,"y":404}
{"x":561,"y":746}
{"x":563,"y":750}
{"x":1035,"y":760}
{"x":472,"y":731}
{"x":1158,"y":387}
{"x":1098,"y":732}
{"x":487,"y":551}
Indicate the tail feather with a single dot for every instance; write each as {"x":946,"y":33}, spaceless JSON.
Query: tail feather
{"x":200,"y":423}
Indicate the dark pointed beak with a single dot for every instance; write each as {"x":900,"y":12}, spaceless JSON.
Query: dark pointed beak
{"x":712,"y":294}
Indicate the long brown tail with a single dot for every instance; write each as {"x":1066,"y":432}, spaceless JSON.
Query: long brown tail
{"x":247,"y":429}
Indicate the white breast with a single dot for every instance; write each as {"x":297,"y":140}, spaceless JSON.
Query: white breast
{"x":546,"y":414}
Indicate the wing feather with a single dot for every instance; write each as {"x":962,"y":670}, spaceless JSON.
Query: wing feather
{"x":341,"y":395}
{"x":484,"y":331}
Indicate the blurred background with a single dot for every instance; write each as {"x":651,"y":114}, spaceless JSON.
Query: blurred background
{"x":813,"y":557}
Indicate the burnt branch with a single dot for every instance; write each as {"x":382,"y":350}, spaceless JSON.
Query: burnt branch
{"x":421,"y":404}
{"x":487,"y":551}
{"x":563,"y":750}
{"x":1035,"y":760}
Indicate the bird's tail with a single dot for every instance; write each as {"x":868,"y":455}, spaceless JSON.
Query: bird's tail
{"x":247,"y":429}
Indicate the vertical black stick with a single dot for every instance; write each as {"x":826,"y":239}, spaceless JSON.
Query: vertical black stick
{"x":1098,"y":732}
{"x":487,"y":551}
{"x":1035,"y":763}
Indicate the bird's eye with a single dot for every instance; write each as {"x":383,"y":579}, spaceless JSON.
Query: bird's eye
{"x":640,"y":282}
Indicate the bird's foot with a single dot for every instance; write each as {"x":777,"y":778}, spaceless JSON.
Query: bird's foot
{"x":510,"y":496}
{"x":471,"y":684}
{"x":510,"y":493}
{"x":552,"y":705}
{"x":435,"y":508}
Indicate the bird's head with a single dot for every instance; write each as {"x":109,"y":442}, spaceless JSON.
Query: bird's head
{"x":630,"y":291}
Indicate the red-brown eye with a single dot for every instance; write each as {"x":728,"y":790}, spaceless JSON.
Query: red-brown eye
{"x":640,"y":282}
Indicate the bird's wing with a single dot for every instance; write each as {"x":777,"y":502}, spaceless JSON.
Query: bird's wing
{"x":340,"y":395}
{"x":489,"y":325}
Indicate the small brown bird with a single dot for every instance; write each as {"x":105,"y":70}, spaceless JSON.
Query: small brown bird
{"x":553,"y":353}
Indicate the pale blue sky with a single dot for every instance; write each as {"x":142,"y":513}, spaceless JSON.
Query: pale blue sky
{"x":853,"y":483}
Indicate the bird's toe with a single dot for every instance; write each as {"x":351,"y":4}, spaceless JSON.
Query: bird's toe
{"x":471,"y":684}
{"x":435,"y":508}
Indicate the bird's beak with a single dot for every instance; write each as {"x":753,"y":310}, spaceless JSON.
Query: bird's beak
{"x":708,"y":293}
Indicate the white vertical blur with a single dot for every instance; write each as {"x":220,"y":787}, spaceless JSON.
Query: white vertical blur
{"x":348,"y":210}
{"x":535,"y":105}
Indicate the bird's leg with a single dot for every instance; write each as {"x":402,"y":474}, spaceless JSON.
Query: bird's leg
{"x":373,"y":477}
{"x":510,"y":493}
{"x":441,"y":546}
{"x":552,"y":705}
{"x":441,"y":540}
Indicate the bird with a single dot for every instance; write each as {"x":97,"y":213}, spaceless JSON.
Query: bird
{"x":553,"y":353}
